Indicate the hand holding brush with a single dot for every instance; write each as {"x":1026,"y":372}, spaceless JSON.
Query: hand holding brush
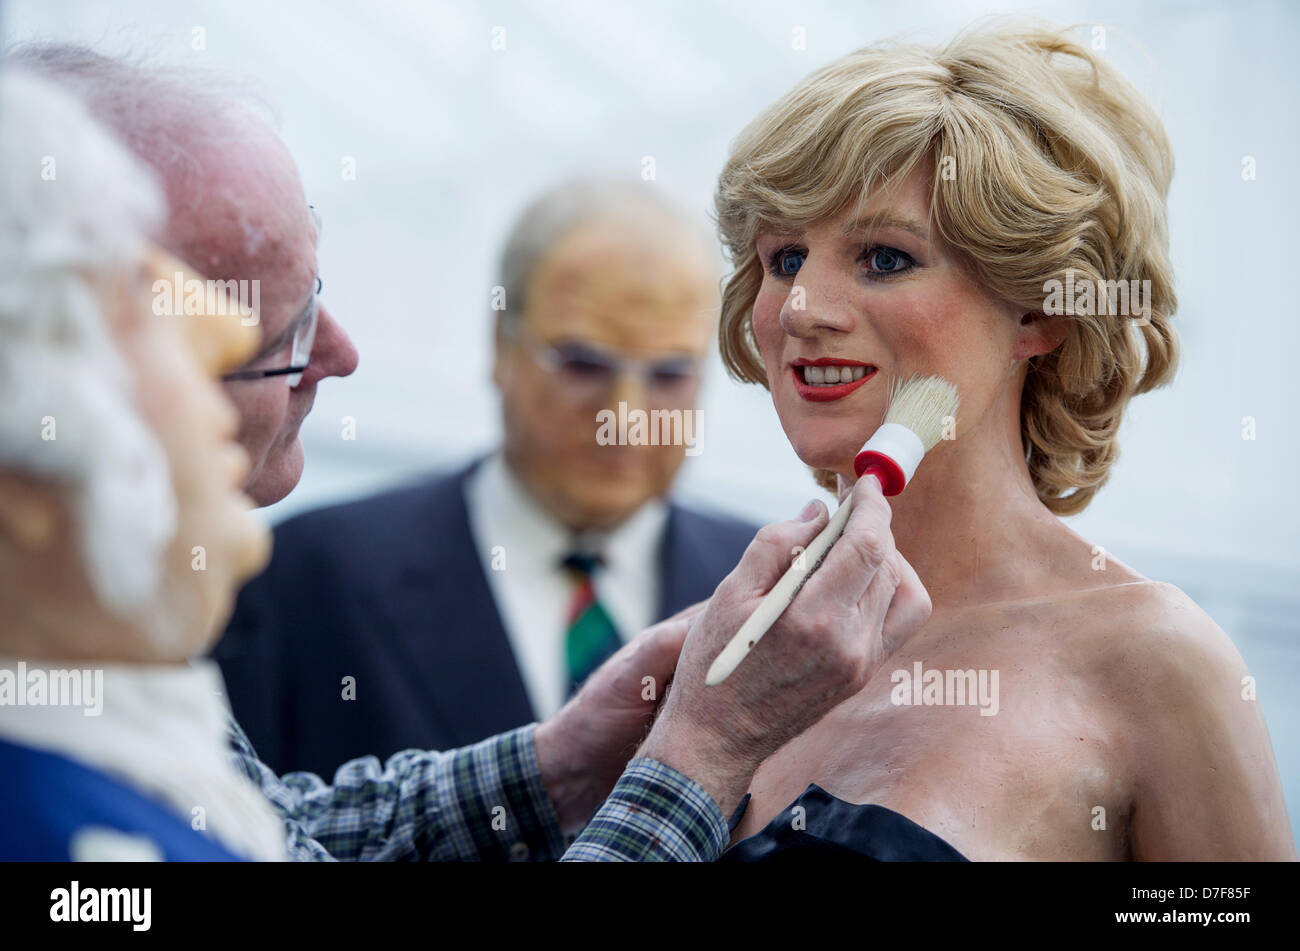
{"x":918,"y":410}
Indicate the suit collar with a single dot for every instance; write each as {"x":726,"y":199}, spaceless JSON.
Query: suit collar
{"x":445,"y":617}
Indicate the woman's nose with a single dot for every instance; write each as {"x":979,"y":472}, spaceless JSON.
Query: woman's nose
{"x":814,"y":306}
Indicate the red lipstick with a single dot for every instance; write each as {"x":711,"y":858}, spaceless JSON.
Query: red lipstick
{"x":826,"y":394}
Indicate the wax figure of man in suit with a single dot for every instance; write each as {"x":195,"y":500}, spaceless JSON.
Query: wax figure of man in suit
{"x":474,"y":602}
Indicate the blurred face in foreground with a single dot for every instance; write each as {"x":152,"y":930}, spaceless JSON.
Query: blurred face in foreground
{"x":173,"y":363}
{"x":176,"y":362}
{"x":623,"y":289}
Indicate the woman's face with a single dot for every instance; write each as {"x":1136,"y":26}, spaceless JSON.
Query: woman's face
{"x":864,"y":307}
{"x":219,"y":543}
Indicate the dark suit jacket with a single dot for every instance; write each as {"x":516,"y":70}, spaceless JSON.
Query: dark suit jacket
{"x":390,"y":591}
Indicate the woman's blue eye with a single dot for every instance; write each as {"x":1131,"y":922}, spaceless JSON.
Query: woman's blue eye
{"x":787,"y":261}
{"x":884,"y":260}
{"x":881,"y":261}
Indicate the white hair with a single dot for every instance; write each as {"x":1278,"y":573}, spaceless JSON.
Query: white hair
{"x":177,"y":121}
{"x":74,"y":206}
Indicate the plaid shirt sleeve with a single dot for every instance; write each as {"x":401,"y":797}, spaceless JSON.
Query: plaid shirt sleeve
{"x":654,"y":814}
{"x":483,"y":802}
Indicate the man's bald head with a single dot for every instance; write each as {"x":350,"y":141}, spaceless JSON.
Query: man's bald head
{"x":236,"y":211}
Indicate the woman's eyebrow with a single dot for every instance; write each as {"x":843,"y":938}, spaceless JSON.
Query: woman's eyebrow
{"x":887,"y":220}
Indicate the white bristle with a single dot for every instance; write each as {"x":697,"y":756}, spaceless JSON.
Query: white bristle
{"x":923,"y":404}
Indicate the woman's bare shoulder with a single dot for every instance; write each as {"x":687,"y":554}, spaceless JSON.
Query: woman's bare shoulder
{"x":1155,"y":638}
{"x":1187,"y":705}
{"x":1159,"y":625}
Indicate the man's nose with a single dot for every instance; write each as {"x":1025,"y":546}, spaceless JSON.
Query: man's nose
{"x":332,"y":353}
{"x":630,"y":388}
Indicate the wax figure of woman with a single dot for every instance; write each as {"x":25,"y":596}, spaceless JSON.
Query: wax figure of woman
{"x":901,"y":211}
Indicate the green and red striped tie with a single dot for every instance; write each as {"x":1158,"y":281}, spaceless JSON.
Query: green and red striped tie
{"x":592,"y":638}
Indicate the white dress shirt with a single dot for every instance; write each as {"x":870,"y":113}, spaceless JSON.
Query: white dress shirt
{"x":521,"y":547}
{"x":161,"y":729}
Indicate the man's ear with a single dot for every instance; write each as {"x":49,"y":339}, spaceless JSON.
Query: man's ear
{"x":29,"y":512}
{"x":1038,"y":334}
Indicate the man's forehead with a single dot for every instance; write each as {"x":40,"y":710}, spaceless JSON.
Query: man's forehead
{"x":239,"y":200}
{"x":230,"y":225}
{"x":234,"y":224}
{"x":609,"y":257}
{"x":626,"y":315}
{"x":637,"y":283}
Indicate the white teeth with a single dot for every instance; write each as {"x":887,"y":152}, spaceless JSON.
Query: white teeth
{"x":832,"y":375}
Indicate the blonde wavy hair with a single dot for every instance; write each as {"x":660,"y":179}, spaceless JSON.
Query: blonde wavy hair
{"x":1054,"y":162}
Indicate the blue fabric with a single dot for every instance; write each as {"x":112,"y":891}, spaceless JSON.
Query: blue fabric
{"x":389,"y":591}
{"x":837,"y":830}
{"x":46,"y":799}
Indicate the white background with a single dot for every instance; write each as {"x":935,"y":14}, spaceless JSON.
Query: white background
{"x":450,"y":137}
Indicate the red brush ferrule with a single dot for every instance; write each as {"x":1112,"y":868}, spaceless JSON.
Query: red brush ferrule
{"x":886,"y":470}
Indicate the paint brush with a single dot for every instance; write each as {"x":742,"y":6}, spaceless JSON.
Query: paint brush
{"x":919,"y":410}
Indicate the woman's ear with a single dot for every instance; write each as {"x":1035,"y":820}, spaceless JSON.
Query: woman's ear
{"x":1038,"y":334}
{"x":29,"y":512}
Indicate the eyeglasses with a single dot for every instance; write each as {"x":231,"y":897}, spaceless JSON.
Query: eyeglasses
{"x":589,"y":372}
{"x":304,"y":335}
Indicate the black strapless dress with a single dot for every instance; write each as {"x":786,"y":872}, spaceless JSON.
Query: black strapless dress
{"x":835,"y":829}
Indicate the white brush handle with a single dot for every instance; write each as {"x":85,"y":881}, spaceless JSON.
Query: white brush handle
{"x":779,"y":598}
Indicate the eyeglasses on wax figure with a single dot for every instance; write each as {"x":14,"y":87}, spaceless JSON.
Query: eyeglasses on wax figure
{"x":590,"y":372}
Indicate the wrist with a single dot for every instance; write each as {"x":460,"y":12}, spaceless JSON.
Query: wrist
{"x":571,"y":789}
{"x":723,"y":774}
